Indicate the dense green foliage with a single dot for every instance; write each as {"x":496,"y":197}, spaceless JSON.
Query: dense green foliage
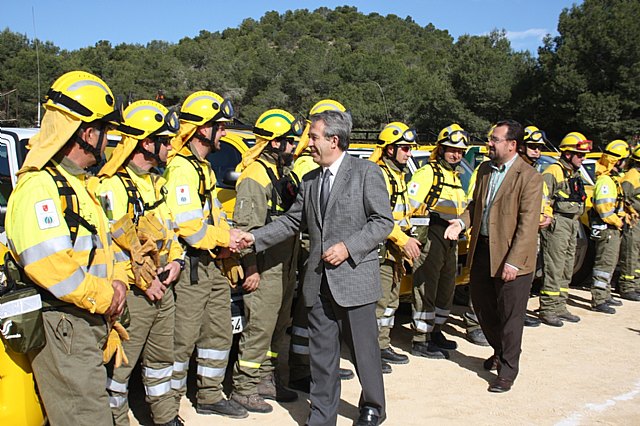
{"x":380,"y":67}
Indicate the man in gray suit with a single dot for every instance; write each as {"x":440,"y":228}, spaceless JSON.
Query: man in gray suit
{"x":345,"y":208}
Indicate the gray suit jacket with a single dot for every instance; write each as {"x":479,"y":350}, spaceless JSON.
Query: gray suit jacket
{"x":358,"y":214}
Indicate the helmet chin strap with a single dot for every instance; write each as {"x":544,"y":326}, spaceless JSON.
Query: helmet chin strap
{"x":152,"y":155}
{"x":93,"y":150}
{"x":209,"y":141}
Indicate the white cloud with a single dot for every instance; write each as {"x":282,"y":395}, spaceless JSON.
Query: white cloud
{"x":537,"y":33}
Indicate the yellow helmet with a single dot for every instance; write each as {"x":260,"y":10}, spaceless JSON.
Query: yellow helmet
{"x":635,"y":155}
{"x":204,"y":106}
{"x":83,"y":96}
{"x":533,"y":135}
{"x":617,"y":148}
{"x":146,"y":118}
{"x":454,"y":136}
{"x":575,"y":142}
{"x":397,"y":132}
{"x":276,"y":123}
{"x":326,"y":105}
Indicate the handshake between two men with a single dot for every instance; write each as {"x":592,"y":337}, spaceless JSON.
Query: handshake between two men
{"x":240,"y":240}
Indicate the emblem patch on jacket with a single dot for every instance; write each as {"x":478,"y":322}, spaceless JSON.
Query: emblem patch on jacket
{"x":182,"y":195}
{"x":47,"y":214}
{"x":413,"y":188}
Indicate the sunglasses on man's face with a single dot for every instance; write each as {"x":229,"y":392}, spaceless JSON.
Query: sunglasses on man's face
{"x":404,"y":148}
{"x":534,"y":146}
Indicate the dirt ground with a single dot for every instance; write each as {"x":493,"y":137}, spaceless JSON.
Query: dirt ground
{"x":579,"y":374}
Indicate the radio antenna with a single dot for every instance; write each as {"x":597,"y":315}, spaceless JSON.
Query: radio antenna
{"x":35,"y":40}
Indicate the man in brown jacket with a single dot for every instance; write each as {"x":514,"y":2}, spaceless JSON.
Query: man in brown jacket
{"x":504,"y":215}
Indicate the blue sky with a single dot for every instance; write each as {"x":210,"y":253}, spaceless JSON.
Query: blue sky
{"x":72,"y":24}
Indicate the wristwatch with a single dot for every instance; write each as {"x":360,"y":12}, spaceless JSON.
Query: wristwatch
{"x":181,"y":262}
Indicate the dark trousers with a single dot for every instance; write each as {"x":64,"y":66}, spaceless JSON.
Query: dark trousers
{"x":330,"y":323}
{"x":500,"y":308}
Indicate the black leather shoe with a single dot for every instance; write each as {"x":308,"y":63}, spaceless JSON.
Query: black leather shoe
{"x":613,"y":302}
{"x":438,"y":338}
{"x":369,"y":417}
{"x":392,"y":357}
{"x":631,"y":295}
{"x":500,"y":385}
{"x":477,"y":337}
{"x":386,"y":368}
{"x":428,"y":350}
{"x":345,"y":374}
{"x":531,"y":321}
{"x":604,"y":308}
{"x":302,"y":385}
{"x":491,"y":364}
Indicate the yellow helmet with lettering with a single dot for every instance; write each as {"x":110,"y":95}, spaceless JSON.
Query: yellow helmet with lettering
{"x":453,"y":136}
{"x":575,"y":142}
{"x":83,"y":96}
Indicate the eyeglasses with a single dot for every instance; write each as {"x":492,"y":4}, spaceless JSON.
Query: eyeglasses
{"x":534,"y":146}
{"x":580,"y":154}
{"x":405,"y":148}
{"x":497,"y":140}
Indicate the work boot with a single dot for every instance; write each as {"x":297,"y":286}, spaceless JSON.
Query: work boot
{"x":613,"y":302}
{"x":531,"y":321}
{"x":386,"y":368}
{"x":345,"y":374}
{"x":477,"y":337}
{"x":604,"y":308}
{"x":176,"y":421}
{"x":568,"y":316}
{"x":224,"y":407}
{"x":428,"y":350}
{"x":551,"y":319}
{"x":270,"y":387}
{"x":392,"y":357}
{"x":302,"y":385}
{"x":438,"y":339}
{"x":253,"y":403}
{"x":631,"y":295}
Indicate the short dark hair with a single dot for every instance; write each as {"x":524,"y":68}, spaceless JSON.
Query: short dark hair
{"x":515,"y":130}
{"x":336,"y":123}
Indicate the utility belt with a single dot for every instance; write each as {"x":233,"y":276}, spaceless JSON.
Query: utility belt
{"x":195,"y":257}
{"x":572,"y":216}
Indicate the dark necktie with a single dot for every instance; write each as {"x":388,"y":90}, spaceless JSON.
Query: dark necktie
{"x":324,"y":191}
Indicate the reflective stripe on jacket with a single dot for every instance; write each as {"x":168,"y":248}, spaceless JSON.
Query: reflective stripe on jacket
{"x":41,"y":241}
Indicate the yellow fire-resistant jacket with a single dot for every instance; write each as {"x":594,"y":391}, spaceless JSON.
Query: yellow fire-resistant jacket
{"x":452,"y":200}
{"x":394,"y":178}
{"x":40,"y":239}
{"x":630,"y":184}
{"x":555,"y":177}
{"x":115,"y":202}
{"x":607,"y":200}
{"x":202,"y":224}
{"x":303,"y":165}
